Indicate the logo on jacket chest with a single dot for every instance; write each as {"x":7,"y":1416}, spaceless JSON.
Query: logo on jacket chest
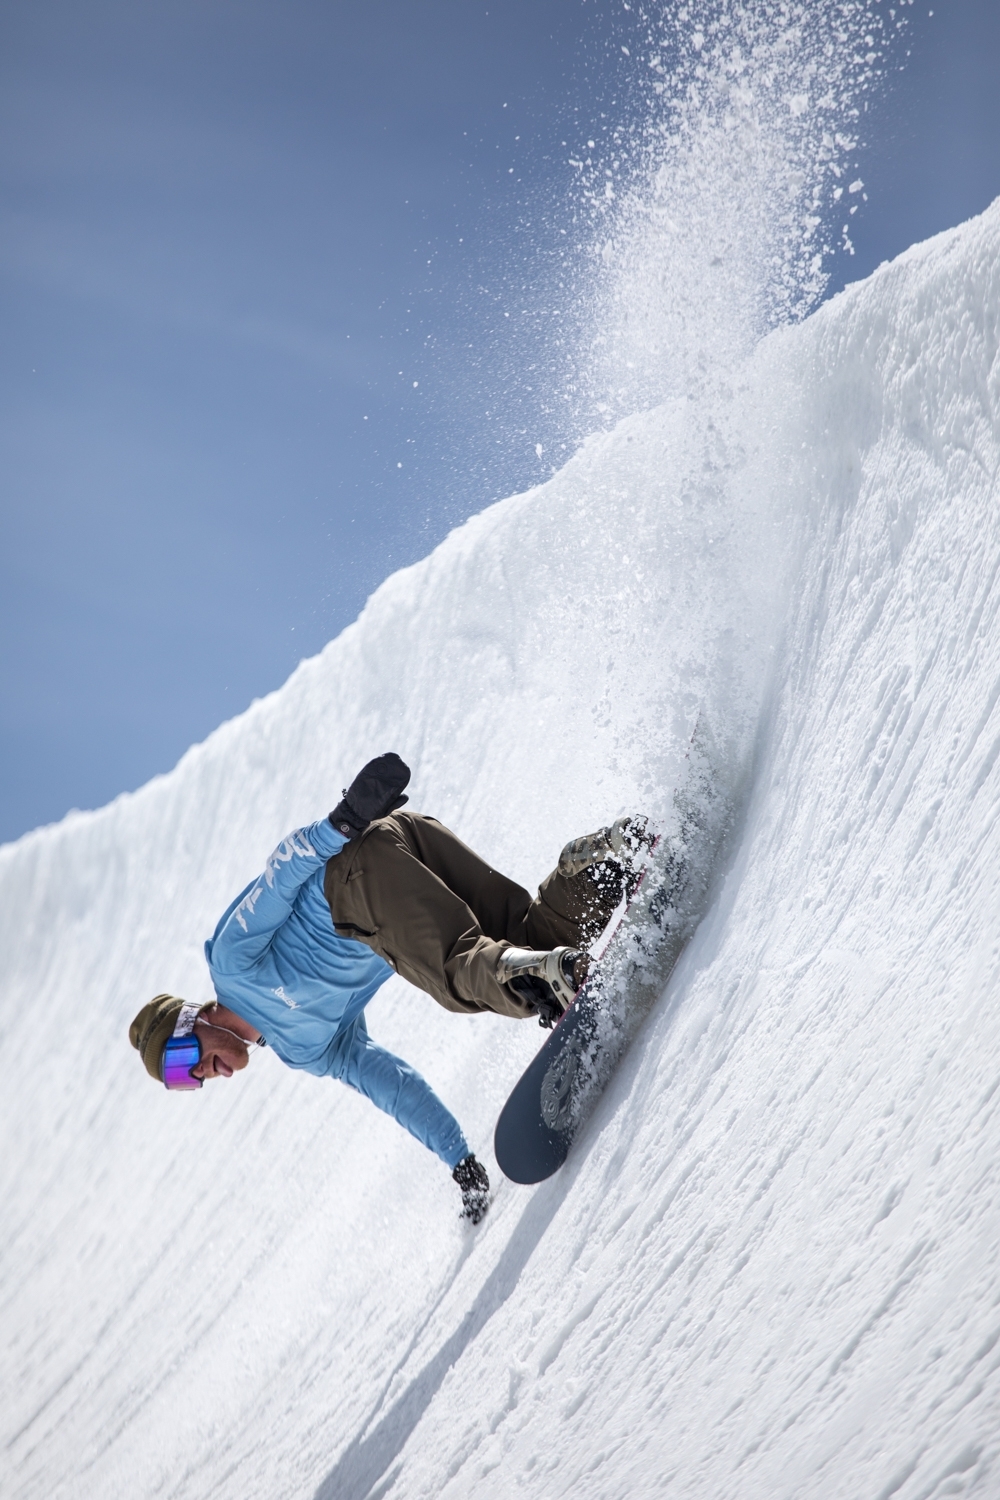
{"x":279,"y":990}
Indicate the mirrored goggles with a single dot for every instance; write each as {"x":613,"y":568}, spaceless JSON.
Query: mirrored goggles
{"x":180,"y":1055}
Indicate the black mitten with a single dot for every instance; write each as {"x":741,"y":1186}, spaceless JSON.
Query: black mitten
{"x":471,"y":1177}
{"x":375,"y":792}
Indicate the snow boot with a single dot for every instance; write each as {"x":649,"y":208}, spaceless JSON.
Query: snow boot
{"x":624,"y":841}
{"x":471,"y":1177}
{"x":547,"y":981}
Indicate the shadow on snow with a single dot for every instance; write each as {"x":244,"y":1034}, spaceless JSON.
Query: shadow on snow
{"x":367,"y":1458}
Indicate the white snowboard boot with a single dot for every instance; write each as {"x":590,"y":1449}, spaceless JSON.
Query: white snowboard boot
{"x":625,"y":841}
{"x":547,"y":981}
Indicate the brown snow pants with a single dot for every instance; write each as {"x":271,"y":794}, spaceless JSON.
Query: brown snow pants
{"x":412,"y":891}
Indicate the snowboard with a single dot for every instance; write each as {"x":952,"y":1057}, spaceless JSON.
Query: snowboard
{"x":559,"y":1089}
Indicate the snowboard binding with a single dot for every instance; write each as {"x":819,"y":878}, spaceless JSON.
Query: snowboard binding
{"x":547,"y":982}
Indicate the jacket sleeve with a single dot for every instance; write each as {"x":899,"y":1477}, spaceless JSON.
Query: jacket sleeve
{"x":247,"y":928}
{"x":395,"y":1087}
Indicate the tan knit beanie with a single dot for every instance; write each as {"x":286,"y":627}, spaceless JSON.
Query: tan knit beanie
{"x":151,"y":1028}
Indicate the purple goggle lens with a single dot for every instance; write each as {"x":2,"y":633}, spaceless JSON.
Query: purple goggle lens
{"x":180,"y":1055}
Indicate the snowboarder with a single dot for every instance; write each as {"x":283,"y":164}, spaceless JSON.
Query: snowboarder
{"x":405,"y":895}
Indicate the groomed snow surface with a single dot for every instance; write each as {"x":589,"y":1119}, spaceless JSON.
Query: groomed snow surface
{"x":770,"y":1267}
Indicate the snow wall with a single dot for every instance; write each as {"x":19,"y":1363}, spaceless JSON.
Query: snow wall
{"x":772,"y":1264}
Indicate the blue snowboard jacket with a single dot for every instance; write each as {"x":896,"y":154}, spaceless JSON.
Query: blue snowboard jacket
{"x":276,"y":960}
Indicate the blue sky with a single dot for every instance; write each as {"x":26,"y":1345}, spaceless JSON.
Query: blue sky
{"x":251,"y":360}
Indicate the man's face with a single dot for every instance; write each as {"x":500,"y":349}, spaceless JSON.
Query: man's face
{"x":222,"y":1052}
